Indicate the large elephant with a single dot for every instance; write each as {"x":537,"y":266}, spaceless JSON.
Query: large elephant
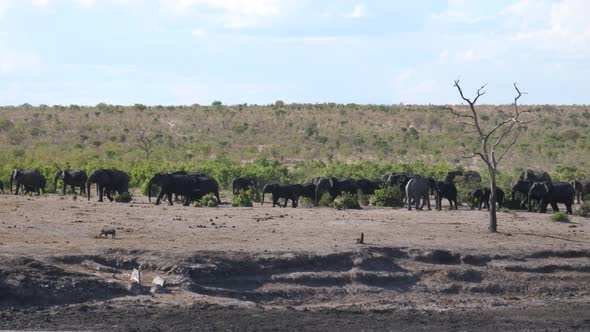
{"x":419,"y":188}
{"x":532,"y":176}
{"x":73,"y":178}
{"x":448,"y":191}
{"x":108,"y":181}
{"x":334,"y":187}
{"x":582,"y":187}
{"x":31,"y":180}
{"x":242,"y":184}
{"x":481,"y":197}
{"x":368,"y":187}
{"x":553,"y":193}
{"x":283,"y":190}
{"x":523,"y":187}
{"x":179,"y":183}
{"x":308,"y":191}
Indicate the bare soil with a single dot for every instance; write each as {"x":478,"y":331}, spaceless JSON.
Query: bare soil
{"x":267,"y":268}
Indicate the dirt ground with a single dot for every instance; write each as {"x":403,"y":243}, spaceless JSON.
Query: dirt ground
{"x":287,"y":269}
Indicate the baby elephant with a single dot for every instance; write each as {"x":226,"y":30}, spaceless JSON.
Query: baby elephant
{"x":106,"y":232}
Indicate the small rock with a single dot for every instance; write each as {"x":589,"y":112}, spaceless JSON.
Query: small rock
{"x":159,"y":281}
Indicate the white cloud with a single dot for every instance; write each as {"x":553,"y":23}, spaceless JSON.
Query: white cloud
{"x":456,"y":16}
{"x":198,"y":32}
{"x":359,"y":10}
{"x":13,"y":61}
{"x":86,"y":3}
{"x":232,"y":13}
{"x":561,"y":25}
{"x":5,"y":5}
{"x":40,"y":3}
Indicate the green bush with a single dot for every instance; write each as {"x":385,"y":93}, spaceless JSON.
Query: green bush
{"x":583,"y":210}
{"x":209,"y":200}
{"x":123,"y":197}
{"x":325,"y":200}
{"x":560,"y":217}
{"x":388,"y":196}
{"x":244,"y":198}
{"x":305,"y":202}
{"x":155,"y":190}
{"x":346,"y":201}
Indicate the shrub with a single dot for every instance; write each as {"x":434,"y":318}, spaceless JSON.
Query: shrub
{"x":560,"y":217}
{"x":244,"y":198}
{"x":583,"y":210}
{"x":305,"y":202}
{"x":325,"y":200}
{"x":123,"y":197}
{"x":388,"y":196}
{"x":346,"y":201}
{"x":155,"y":190}
{"x":209,"y":200}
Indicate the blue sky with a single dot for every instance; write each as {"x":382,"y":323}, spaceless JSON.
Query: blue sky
{"x":258,"y":51}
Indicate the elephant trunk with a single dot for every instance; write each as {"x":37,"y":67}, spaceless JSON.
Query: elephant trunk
{"x":88,"y":185}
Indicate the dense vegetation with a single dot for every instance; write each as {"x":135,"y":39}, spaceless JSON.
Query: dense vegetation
{"x":281,"y":142}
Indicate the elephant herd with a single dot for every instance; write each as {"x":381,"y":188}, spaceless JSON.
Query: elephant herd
{"x":535,"y":187}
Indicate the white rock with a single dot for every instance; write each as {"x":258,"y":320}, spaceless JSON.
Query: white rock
{"x":158,"y":281}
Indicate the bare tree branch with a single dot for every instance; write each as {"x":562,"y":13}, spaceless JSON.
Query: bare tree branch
{"x":144,"y":142}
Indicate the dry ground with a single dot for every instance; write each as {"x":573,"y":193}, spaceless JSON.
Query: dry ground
{"x":416,"y":270}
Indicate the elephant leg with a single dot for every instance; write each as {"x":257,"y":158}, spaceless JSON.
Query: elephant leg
{"x":554,"y":206}
{"x":568,"y":207}
{"x":169,"y":197}
{"x":100,"y":189}
{"x":108,"y":194}
{"x":63,"y":188}
{"x":427,"y":200}
{"x":160,"y":195}
{"x":217,"y":196}
{"x":73,"y":188}
{"x":275,"y":200}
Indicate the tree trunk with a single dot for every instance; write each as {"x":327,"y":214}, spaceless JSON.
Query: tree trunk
{"x":493,"y":220}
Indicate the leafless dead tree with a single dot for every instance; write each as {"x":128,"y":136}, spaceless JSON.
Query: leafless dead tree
{"x":495,"y":142}
{"x":145,"y":143}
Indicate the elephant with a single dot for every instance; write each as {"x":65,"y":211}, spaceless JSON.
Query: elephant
{"x":419,"y":188}
{"x":242,"y":184}
{"x":468,"y":176}
{"x":31,"y":180}
{"x":448,"y":191}
{"x":553,"y":193}
{"x":179,"y":183}
{"x":334,"y":187}
{"x":205,"y":185}
{"x":523,"y":188}
{"x":308,"y":191}
{"x":2,"y":187}
{"x":481,"y":197}
{"x":368,"y":187}
{"x":534,"y":176}
{"x":180,"y":198}
{"x":283,"y":190}
{"x":582,"y":187}
{"x":73,"y":178}
{"x":108,"y":181}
